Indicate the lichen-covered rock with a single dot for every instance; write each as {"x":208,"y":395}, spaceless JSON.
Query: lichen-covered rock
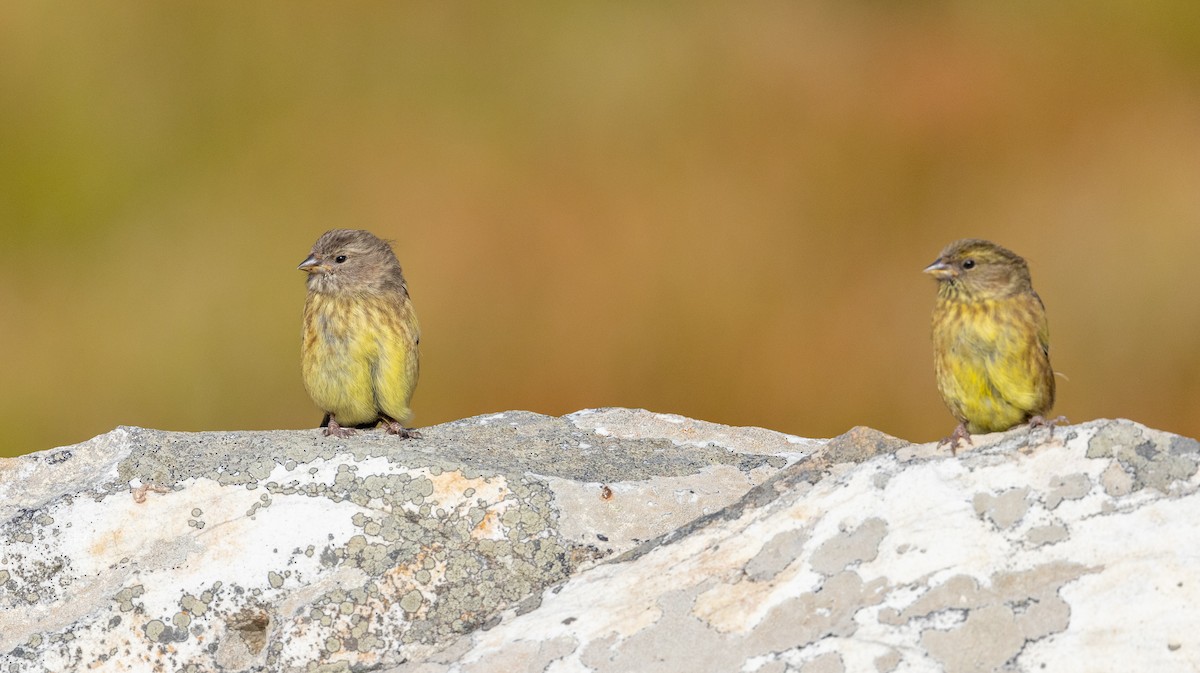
{"x":608,"y":540}
{"x":154,"y":550}
{"x":1026,"y":552}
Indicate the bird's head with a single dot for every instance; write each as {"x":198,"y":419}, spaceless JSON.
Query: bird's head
{"x":352,"y":261}
{"x":975,"y":269}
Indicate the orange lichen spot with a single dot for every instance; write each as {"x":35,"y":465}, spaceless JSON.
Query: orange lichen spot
{"x":139,"y":493}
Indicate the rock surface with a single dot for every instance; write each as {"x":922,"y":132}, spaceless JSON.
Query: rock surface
{"x":607,"y":540}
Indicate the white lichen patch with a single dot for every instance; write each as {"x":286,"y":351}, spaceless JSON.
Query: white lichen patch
{"x":137,"y":568}
{"x":489,"y":419}
{"x":1150,"y":572}
{"x":683,"y":431}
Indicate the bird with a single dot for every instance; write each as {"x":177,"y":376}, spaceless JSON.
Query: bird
{"x":991,"y":340}
{"x":360,"y":346}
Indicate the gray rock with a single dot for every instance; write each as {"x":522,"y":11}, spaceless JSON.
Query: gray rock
{"x":607,"y":540}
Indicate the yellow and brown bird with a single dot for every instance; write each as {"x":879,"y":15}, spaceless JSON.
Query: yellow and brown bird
{"x":360,"y":342}
{"x":991,"y":341}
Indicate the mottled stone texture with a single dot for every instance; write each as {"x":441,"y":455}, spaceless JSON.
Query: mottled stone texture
{"x":607,"y":540}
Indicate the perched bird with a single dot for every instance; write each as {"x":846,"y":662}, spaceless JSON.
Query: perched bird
{"x":360,"y":342}
{"x":991,"y":341}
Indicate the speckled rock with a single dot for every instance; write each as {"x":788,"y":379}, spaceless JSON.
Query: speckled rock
{"x":280,"y":551}
{"x":1071,"y":552}
{"x":607,"y":540}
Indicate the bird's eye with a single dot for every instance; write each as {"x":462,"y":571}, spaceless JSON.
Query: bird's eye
{"x":339,"y":259}
{"x":969,"y":264}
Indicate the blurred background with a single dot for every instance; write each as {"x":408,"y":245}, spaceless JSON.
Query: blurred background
{"x":717,"y":210}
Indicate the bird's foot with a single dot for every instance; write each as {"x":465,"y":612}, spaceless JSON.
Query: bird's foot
{"x":960,"y":434}
{"x":396,"y":428}
{"x":1043,"y":422}
{"x":332,"y":429}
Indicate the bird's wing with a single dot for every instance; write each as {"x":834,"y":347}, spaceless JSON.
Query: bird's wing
{"x":1019,"y":366}
{"x":398,"y":366}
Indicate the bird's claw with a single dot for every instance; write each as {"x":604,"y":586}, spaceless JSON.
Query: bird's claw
{"x":1043,"y":422}
{"x":335,"y":430}
{"x":960,"y":434}
{"x":395,"y":428}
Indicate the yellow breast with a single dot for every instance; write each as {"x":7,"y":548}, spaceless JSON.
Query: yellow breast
{"x":359,"y":356}
{"x":992,"y":369}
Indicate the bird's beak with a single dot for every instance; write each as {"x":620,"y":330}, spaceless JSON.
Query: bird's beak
{"x":940,"y":270}
{"x":310,"y":264}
